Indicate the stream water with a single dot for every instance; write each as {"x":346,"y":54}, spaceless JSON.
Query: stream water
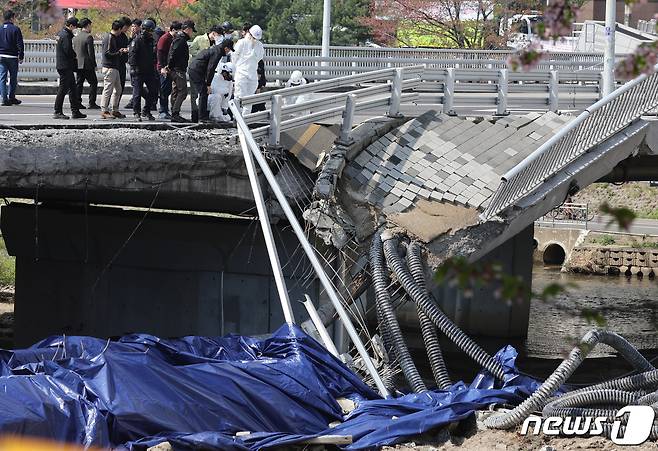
{"x":629,"y":306}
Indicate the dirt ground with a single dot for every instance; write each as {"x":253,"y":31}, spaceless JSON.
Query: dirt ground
{"x":487,"y":440}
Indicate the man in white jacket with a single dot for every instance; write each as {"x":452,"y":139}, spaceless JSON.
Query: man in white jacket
{"x":246,"y":55}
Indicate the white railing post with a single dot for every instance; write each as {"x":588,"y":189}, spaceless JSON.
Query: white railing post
{"x":601,"y":88}
{"x":501,"y":104}
{"x":449,"y":92}
{"x":348,"y":120}
{"x":308,"y":250}
{"x":396,"y":94}
{"x":264,"y":219}
{"x":553,"y":93}
{"x":322,"y":331}
{"x":275,"y":120}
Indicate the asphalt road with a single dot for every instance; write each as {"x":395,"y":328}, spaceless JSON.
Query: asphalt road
{"x":601,"y":224}
{"x":39,"y":109}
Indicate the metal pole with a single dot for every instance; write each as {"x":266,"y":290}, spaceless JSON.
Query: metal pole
{"x":348,"y":120}
{"x":326,"y":29}
{"x":275,"y":120}
{"x":501,"y":104}
{"x":310,"y":252}
{"x":609,"y":52}
{"x":449,"y":92}
{"x":396,"y":94}
{"x":267,"y":231}
{"x":317,"y":322}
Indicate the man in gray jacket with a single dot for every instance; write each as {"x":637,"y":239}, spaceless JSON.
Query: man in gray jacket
{"x":83,"y":44}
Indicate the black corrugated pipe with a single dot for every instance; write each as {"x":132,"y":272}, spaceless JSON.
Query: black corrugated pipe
{"x":541,"y":396}
{"x":388,"y":322}
{"x":427,"y":327}
{"x":429,"y":307}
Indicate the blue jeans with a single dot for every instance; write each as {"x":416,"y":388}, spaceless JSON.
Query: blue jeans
{"x":8,"y":66}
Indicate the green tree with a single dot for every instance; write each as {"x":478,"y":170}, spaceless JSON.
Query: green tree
{"x":288,"y":22}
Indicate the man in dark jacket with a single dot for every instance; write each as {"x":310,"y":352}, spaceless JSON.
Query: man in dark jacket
{"x":83,"y":44}
{"x":67,"y":64}
{"x":112,"y":55}
{"x":202,"y":71}
{"x":177,"y":62}
{"x":141,"y":58}
{"x":123,"y":41}
{"x":11,"y":55}
{"x":164,"y":44}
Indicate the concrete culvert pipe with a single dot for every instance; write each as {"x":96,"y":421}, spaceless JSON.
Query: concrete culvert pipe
{"x":554,"y":254}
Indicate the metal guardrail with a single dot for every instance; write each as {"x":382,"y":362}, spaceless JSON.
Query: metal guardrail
{"x":570,"y":213}
{"x":282,"y":60}
{"x":597,"y":123}
{"x":647,"y":26}
{"x":280,"y":117}
{"x":450,"y":90}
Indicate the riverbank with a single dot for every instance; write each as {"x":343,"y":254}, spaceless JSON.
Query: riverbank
{"x":614,"y":254}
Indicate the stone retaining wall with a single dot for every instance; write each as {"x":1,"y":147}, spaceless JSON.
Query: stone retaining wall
{"x":614,"y":260}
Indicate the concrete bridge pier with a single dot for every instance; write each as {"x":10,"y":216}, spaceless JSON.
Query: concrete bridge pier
{"x":107,"y":272}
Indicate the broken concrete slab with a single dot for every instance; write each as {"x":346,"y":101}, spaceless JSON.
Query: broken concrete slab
{"x":428,"y":220}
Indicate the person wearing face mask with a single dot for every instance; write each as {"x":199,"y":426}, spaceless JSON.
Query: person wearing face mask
{"x":228,"y":30}
{"x":297,"y":79}
{"x":200,"y":43}
{"x":221,"y":91}
{"x":246,"y":55}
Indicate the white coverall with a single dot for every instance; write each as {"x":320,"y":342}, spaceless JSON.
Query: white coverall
{"x":221,"y":91}
{"x":246,"y":55}
{"x":293,"y":100}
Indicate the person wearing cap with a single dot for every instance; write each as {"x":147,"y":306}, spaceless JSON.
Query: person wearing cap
{"x":177,"y":62}
{"x":164,"y":44}
{"x":202,"y":70}
{"x":201,"y":42}
{"x":246,"y":55}
{"x":228,"y":30}
{"x":83,"y":44}
{"x":141,"y":57}
{"x":67,"y":64}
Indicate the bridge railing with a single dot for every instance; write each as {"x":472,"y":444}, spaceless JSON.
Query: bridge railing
{"x":597,"y":123}
{"x":284,"y":112}
{"x":282,"y":60}
{"x":578,"y":214}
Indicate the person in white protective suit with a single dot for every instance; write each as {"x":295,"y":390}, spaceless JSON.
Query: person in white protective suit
{"x":246,"y":55}
{"x":221,"y":90}
{"x":297,"y":79}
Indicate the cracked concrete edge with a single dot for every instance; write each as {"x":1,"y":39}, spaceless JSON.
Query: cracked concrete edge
{"x":363,"y":135}
{"x":117,"y":150}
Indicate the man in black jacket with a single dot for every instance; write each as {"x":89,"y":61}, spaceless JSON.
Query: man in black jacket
{"x":123,"y":41}
{"x":179,"y":55}
{"x":202,"y":71}
{"x":141,"y":58}
{"x":111,"y":61}
{"x":66,"y":66}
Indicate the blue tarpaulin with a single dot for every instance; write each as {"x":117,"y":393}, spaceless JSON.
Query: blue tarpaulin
{"x":197,"y":391}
